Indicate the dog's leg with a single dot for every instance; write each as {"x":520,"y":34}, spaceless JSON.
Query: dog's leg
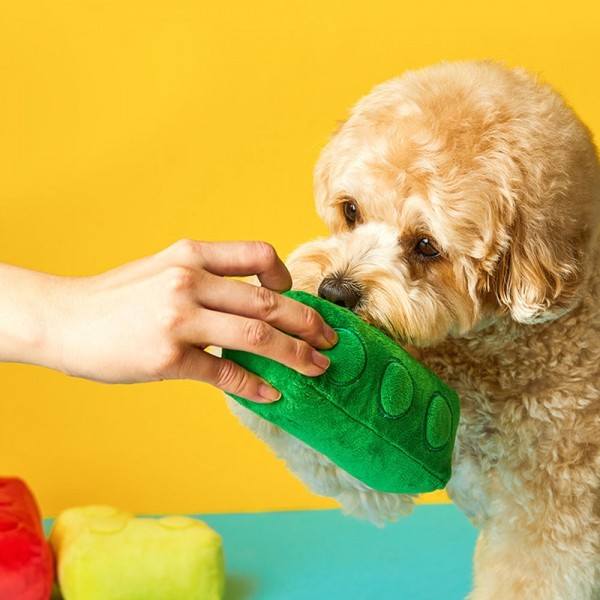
{"x":322,"y":476}
{"x":555,"y":559}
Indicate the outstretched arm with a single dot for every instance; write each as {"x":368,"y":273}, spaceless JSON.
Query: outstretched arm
{"x":152,"y":319}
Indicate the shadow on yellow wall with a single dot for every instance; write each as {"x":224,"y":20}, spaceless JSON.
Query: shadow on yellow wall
{"x":127,"y":125}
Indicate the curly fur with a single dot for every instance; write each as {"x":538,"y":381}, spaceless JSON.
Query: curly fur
{"x":497,"y":170}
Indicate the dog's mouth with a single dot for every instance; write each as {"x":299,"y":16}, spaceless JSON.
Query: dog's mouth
{"x":349,"y":293}
{"x":383,"y":327}
{"x":361,"y":312}
{"x":393,"y":334}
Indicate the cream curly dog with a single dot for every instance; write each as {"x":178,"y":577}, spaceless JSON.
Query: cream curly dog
{"x":464,"y":201}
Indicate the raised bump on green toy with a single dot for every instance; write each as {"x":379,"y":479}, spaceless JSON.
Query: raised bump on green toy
{"x":103,"y":553}
{"x":377,"y":412}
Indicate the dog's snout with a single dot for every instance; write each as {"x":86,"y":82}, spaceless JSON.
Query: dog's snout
{"x":340,"y":291}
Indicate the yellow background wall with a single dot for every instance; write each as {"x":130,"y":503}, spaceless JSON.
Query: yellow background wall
{"x":127,"y":125}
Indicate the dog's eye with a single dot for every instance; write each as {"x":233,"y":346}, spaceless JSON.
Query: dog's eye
{"x":426,"y":248}
{"x":351,"y":213}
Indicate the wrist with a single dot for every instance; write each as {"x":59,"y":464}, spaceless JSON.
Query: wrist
{"x":29,"y":316}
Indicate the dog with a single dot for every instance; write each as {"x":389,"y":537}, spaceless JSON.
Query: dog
{"x":463,"y":201}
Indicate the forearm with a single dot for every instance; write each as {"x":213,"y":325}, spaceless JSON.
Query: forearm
{"x":28,"y":313}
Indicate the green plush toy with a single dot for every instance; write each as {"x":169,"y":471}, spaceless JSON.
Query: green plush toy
{"x":377,"y":412}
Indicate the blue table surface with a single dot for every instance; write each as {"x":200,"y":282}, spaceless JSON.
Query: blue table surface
{"x":322,"y":555}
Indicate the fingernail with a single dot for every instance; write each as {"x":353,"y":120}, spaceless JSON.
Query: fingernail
{"x":320,"y":360}
{"x":330,"y":335}
{"x":268,"y":393}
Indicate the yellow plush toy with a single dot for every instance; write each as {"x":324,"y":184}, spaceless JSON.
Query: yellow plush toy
{"x":106,"y":554}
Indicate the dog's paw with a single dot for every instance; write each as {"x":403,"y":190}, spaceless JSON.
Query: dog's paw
{"x":324,"y":477}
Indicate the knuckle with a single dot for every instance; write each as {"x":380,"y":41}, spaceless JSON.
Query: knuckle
{"x":171,"y":319}
{"x":169,"y":362}
{"x":311,"y":319}
{"x":303,"y":353}
{"x":266,"y":253}
{"x":229,"y":377}
{"x":257,"y":333}
{"x":186,"y":250}
{"x":181,"y":279}
{"x":266,"y":302}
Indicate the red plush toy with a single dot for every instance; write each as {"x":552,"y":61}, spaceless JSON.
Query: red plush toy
{"x":26,"y":563}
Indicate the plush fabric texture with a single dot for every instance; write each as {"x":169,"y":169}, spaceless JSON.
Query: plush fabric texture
{"x":106,"y":554}
{"x":376,"y":412}
{"x":26,"y":564}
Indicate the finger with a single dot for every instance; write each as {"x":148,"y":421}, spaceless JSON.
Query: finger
{"x":213,"y":328}
{"x":236,"y":259}
{"x":246,"y":300}
{"x":227,"y":376}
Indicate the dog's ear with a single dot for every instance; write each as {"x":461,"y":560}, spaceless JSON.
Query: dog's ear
{"x":540,"y":274}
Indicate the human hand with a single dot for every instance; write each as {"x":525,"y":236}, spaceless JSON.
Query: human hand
{"x":152,"y":319}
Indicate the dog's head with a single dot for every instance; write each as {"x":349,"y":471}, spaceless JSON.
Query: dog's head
{"x":455,"y":195}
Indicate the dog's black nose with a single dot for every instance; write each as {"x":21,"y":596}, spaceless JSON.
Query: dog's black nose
{"x":340,"y":292}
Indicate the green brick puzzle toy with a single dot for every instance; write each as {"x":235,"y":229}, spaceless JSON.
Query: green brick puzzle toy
{"x":106,"y":554}
{"x":377,"y":412}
